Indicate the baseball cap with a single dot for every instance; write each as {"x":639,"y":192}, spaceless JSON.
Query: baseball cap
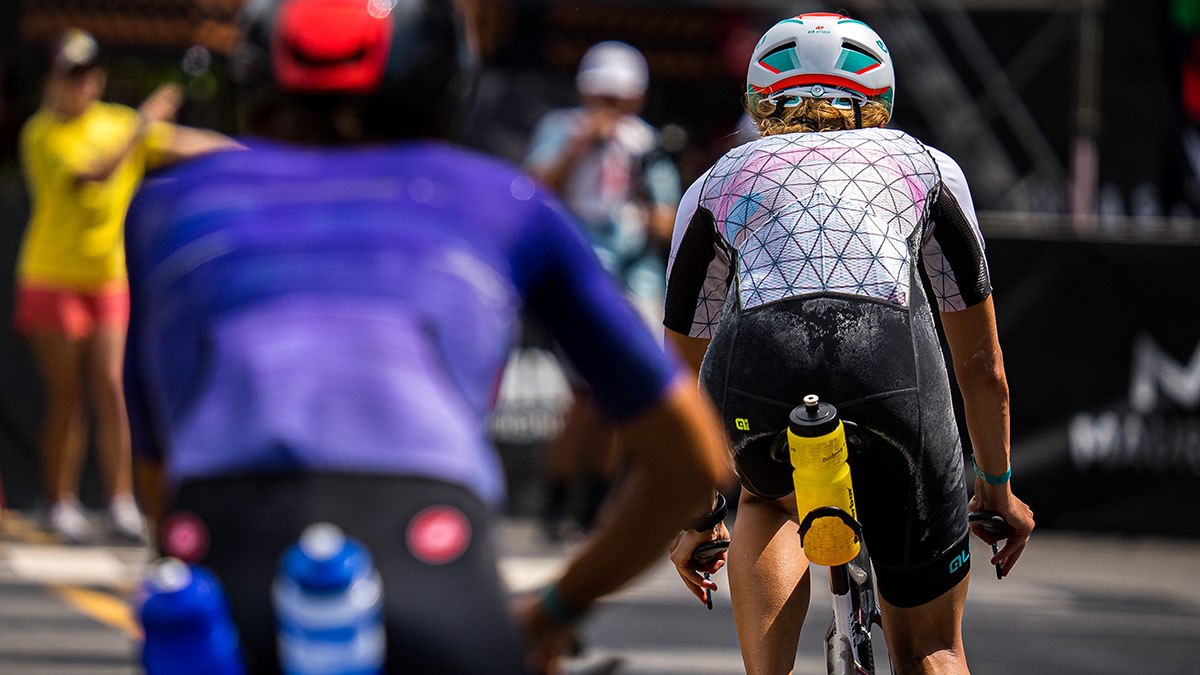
{"x":75,"y":52}
{"x":612,"y":69}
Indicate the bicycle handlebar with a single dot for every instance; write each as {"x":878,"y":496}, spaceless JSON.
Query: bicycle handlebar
{"x":992,"y":523}
{"x":706,"y":553}
{"x":702,"y":556}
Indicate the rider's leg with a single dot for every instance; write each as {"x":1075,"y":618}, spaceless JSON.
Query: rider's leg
{"x":768,"y":583}
{"x":927,"y":639}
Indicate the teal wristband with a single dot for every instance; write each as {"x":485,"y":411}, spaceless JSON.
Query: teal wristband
{"x":991,"y":478}
{"x":557,"y":609}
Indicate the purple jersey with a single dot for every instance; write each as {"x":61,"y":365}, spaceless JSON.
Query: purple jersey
{"x":350,"y":310}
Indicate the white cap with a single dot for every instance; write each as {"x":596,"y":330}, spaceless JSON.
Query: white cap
{"x":613,"y":69}
{"x":76,"y":49}
{"x":322,"y":541}
{"x":168,"y":575}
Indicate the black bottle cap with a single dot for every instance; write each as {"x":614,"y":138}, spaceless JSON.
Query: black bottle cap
{"x":813,"y":418}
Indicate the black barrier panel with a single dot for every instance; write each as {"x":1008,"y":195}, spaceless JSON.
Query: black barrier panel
{"x":1102,"y":348}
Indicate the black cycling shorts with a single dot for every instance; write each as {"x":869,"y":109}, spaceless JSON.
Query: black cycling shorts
{"x":882,"y":366}
{"x":445,"y":609}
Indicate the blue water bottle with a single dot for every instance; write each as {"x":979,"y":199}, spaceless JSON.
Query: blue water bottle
{"x":328,"y":602}
{"x":186,"y":619}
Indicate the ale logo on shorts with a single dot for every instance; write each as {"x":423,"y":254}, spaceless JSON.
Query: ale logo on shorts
{"x":438,"y":535}
{"x":963,"y":558}
{"x":184,"y":536}
{"x":742,"y":423}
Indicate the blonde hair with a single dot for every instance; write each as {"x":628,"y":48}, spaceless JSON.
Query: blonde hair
{"x":813,"y":114}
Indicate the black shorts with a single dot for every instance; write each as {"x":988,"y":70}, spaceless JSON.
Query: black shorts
{"x":445,"y":608}
{"x":882,"y":366}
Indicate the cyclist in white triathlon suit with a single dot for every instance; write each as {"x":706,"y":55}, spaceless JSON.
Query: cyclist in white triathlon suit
{"x":796,"y":268}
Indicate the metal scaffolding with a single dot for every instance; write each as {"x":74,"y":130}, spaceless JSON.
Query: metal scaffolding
{"x":1024,"y":173}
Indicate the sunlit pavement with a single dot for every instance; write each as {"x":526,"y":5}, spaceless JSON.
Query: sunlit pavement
{"x":1076,"y":604}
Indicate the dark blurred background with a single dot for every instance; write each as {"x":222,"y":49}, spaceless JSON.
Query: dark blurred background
{"x":1077,"y":123}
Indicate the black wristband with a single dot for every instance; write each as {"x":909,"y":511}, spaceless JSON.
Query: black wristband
{"x":711,"y":519}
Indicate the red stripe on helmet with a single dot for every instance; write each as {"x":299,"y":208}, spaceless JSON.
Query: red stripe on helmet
{"x":801,"y":16}
{"x":870,"y":67}
{"x":330,"y":46}
{"x":830,"y":80}
{"x":773,"y":70}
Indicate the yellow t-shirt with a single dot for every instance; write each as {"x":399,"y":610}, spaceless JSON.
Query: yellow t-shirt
{"x":75,"y":234}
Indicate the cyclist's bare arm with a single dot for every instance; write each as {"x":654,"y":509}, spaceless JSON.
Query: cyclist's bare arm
{"x":692,"y":351}
{"x":678,"y":454}
{"x":979,"y":368}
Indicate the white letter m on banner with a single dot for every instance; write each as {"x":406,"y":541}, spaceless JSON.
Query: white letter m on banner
{"x":1155,"y":371}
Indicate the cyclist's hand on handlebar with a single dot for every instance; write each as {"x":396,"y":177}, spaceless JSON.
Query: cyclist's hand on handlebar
{"x":1000,"y":500}
{"x":681,"y":555}
{"x":545,"y":639}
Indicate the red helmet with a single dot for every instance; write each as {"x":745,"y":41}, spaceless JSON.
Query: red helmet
{"x":413,"y":59}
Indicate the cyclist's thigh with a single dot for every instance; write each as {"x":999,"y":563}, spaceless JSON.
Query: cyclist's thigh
{"x":927,"y":635}
{"x":763,"y":361}
{"x":911,"y":495}
{"x":909,"y":483}
{"x":444,"y":605}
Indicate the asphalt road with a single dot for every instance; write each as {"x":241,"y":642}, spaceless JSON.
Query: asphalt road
{"x":1075,"y":604}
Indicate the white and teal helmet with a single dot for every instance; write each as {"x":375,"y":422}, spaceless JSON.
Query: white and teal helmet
{"x":826,"y":56}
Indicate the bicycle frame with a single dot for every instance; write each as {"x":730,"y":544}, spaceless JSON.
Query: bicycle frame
{"x":848,"y":639}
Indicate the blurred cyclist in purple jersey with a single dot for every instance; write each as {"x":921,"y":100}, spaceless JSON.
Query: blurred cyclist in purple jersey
{"x":318,"y":326}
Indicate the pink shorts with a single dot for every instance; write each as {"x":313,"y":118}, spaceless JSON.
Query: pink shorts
{"x":47,"y":309}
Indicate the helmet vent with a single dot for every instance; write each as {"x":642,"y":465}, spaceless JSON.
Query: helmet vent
{"x":857,"y":59}
{"x":781,"y":58}
{"x":846,"y":44}
{"x":780,"y":48}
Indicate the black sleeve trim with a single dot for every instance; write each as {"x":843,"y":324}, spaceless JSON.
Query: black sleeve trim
{"x":686,"y":283}
{"x":961,"y":249}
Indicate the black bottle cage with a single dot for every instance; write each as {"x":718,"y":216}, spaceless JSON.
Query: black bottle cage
{"x":829,"y":512}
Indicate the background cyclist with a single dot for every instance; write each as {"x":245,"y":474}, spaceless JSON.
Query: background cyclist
{"x":796,"y":268}
{"x":319,"y":324}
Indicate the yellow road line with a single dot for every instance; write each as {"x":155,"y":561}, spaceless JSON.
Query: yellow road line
{"x":103,"y":607}
{"x":15,"y":525}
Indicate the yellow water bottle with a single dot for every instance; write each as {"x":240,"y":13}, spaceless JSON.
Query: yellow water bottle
{"x":817,"y":446}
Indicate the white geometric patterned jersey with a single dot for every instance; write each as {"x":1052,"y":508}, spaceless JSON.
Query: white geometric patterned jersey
{"x":818,"y":213}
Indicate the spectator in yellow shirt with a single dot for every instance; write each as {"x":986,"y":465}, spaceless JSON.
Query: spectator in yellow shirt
{"x":83,"y":159}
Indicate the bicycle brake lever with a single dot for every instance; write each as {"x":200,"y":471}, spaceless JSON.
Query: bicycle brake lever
{"x":704,"y":555}
{"x":992,"y":523}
